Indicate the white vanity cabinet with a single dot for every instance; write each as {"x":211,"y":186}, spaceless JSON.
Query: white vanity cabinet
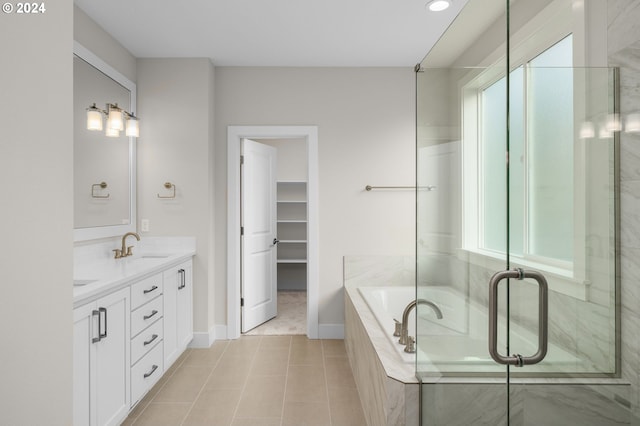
{"x":124,"y":340}
{"x":178,"y":310}
{"x":147,"y":331}
{"x":101,"y":360}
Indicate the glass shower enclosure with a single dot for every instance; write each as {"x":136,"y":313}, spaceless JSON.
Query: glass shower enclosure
{"x":517,"y":220}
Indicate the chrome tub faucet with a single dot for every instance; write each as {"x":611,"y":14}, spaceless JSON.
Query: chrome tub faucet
{"x":405,"y":339}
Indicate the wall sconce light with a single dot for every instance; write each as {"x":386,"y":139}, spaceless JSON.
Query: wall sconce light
{"x":116,"y":118}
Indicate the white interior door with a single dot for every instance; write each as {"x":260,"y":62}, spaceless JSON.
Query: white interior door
{"x":259,"y":254}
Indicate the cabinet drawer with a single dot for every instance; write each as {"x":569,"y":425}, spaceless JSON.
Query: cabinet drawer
{"x":146,"y":315}
{"x":146,"y":290}
{"x":145,"y":341}
{"x":146,"y":373}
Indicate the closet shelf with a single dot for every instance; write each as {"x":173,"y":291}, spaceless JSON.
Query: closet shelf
{"x":292,"y":229}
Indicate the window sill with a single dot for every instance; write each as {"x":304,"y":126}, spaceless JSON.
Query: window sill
{"x":560,"y":280}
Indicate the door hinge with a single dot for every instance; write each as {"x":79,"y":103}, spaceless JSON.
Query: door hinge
{"x":241,"y":301}
{"x":242,"y":230}
{"x":242,"y":159}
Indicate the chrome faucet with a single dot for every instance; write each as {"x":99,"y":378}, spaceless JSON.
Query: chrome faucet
{"x":126,"y":251}
{"x":404,"y":333}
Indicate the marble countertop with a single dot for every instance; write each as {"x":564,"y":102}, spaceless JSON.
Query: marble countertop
{"x":97,"y":275}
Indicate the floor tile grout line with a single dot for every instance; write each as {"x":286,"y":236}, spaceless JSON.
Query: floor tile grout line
{"x":246,"y":380}
{"x":286,"y":380}
{"x":326,"y":382}
{"x":186,"y":416}
{"x":135,"y":420}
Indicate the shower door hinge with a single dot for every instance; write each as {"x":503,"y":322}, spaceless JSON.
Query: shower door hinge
{"x":242,"y":159}
{"x":241,"y":230}
{"x":241,"y":301}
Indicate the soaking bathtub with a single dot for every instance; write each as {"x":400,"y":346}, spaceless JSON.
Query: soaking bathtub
{"x":453,"y":365}
{"x":457,"y":343}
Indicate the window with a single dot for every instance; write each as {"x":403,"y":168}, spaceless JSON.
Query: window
{"x":541,"y":123}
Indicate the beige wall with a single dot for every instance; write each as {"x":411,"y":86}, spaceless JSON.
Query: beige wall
{"x":36,"y":169}
{"x":292,"y":158}
{"x":93,"y":37}
{"x":365,"y":119}
{"x":176,"y":114}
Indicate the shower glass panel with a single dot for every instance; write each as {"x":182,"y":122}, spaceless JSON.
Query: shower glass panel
{"x":517,"y":170}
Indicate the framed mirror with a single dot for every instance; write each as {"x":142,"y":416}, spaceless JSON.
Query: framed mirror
{"x":104,"y":165}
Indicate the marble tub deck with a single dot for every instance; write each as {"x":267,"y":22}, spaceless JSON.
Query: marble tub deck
{"x":390,"y":391}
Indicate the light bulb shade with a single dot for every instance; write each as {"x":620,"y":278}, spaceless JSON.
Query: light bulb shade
{"x":132,"y":127}
{"x":613,"y":123}
{"x":605,"y":133}
{"x":115,"y":120}
{"x":112,"y":133}
{"x":587,"y":130}
{"x":94,"y":118}
{"x":438,"y":5}
{"x":633,"y":123}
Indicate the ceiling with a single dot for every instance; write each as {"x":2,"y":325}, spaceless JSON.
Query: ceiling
{"x":354,"y":33}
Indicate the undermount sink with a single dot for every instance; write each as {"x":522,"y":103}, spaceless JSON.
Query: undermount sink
{"x":154,"y":256}
{"x":83,"y":282}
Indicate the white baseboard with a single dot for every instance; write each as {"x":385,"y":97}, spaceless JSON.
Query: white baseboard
{"x":331,"y":331}
{"x":221,"y":332}
{"x":203,"y":340}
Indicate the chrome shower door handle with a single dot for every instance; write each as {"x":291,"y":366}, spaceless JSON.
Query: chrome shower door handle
{"x":543,"y":313}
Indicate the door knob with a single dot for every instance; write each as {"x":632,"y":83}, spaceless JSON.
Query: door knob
{"x":275,"y":241}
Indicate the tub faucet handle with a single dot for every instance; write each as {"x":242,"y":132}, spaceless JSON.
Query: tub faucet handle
{"x":398,"y":328}
{"x":411,"y":345}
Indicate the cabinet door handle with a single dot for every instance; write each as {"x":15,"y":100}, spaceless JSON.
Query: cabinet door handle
{"x":183,"y":281}
{"x":153,"y":369}
{"x":146,"y":317}
{"x":148,"y":342}
{"x":96,"y":313}
{"x":103,"y":335}
{"x":155,"y":287}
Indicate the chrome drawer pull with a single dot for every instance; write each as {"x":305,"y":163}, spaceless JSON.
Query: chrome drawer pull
{"x":96,"y":313}
{"x":153,"y":369}
{"x":155,"y":287}
{"x":148,"y":342}
{"x":103,"y":335}
{"x":183,"y":282}
{"x":146,"y":317}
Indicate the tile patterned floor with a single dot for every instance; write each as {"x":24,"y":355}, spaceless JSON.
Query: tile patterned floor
{"x":291,"y":318}
{"x":257,"y":381}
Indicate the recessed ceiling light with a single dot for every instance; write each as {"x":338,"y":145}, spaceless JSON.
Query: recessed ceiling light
{"x":438,"y":5}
